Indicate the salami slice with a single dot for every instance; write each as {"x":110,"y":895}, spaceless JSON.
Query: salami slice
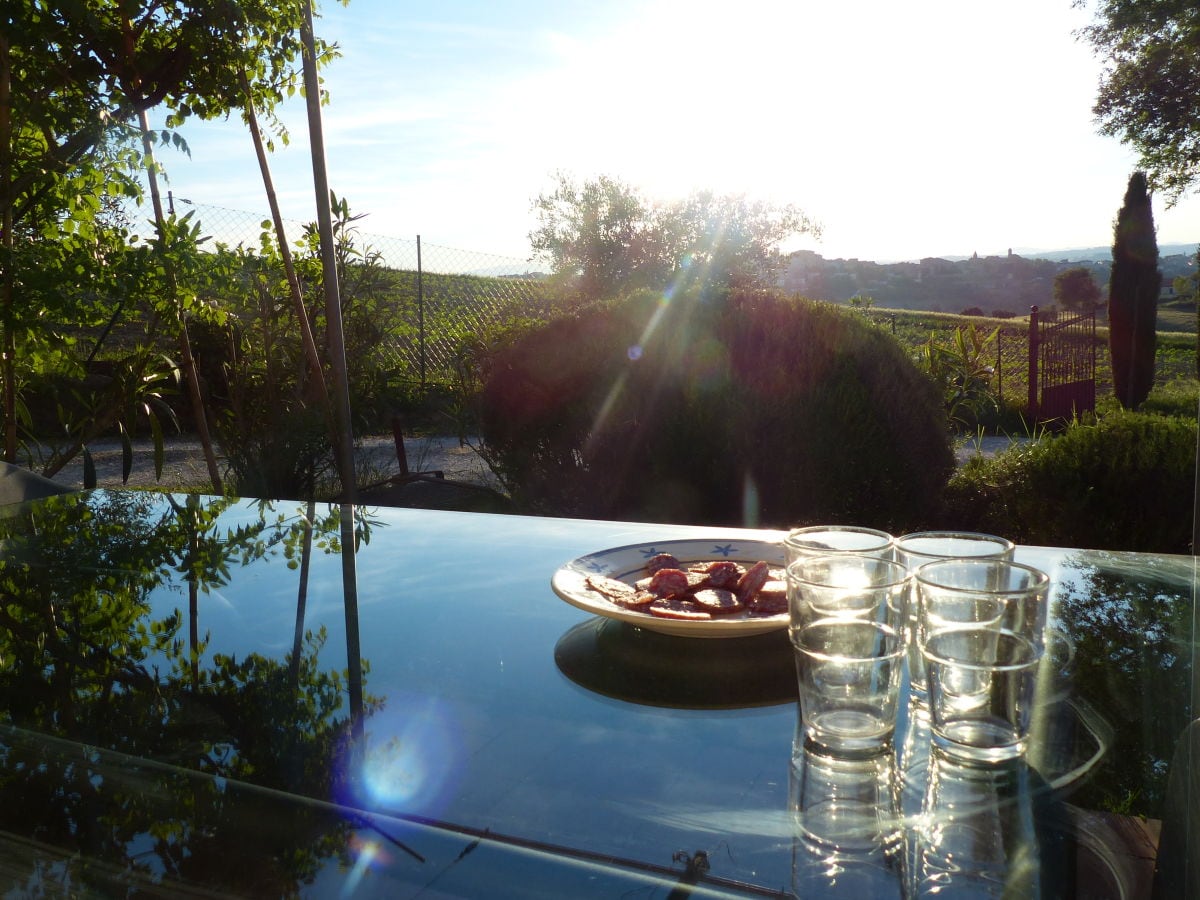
{"x":770,"y":600}
{"x":720,"y":573}
{"x":673,"y":582}
{"x":751,"y":583}
{"x":618,"y":591}
{"x":716,"y":600}
{"x":677,"y":609}
{"x":661,"y":561}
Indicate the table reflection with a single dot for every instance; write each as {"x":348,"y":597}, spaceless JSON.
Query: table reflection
{"x":639,"y":666}
{"x":91,"y":659}
{"x":190,"y":703}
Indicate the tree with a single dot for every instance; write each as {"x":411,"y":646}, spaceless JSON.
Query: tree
{"x":1149,"y":93}
{"x":605,"y":238}
{"x":602,"y":234}
{"x":1133,"y":292}
{"x":1075,"y":288}
{"x":75,"y":78}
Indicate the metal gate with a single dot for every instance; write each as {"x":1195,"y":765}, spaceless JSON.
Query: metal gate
{"x":1062,"y":365}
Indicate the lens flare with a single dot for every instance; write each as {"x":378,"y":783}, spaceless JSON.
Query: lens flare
{"x":751,"y":505}
{"x":366,"y":853}
{"x":411,"y":755}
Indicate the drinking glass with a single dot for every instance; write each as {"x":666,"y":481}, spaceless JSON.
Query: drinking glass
{"x":979,"y":592}
{"x":920,"y":547}
{"x":981,"y":691}
{"x":844,"y":586}
{"x":823,"y":540}
{"x":849,"y":677}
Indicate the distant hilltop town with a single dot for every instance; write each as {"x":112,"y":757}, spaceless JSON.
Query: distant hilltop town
{"x":995,"y":285}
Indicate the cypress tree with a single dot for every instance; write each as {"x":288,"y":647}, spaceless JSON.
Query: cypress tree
{"x":1133,"y":296}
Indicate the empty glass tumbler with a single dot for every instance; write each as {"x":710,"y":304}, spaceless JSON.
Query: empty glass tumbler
{"x":849,"y":677}
{"x":822,"y":540}
{"x":920,"y":547}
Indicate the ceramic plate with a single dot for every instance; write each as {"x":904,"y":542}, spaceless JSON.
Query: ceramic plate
{"x":628,"y":564}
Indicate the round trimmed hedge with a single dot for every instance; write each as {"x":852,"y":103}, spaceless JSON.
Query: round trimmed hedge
{"x":1122,"y":481}
{"x":752,"y":410}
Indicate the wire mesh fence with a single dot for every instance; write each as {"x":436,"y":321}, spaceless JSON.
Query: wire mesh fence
{"x":444,"y":296}
{"x":441,"y":295}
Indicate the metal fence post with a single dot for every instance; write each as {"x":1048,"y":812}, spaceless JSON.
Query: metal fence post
{"x":1033,"y":363}
{"x":420,"y":313}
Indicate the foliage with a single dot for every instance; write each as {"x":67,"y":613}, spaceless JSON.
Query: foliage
{"x":1149,"y":93}
{"x":753,"y":409}
{"x":1075,"y":288}
{"x":1180,"y":397}
{"x":1133,"y":295}
{"x":1129,"y":619}
{"x":961,"y":367}
{"x":603,"y":237}
{"x":76,"y":79}
{"x":95,"y":655}
{"x":1124,"y":480}
{"x":269,"y":419}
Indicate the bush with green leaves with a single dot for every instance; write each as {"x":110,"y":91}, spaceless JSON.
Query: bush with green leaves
{"x":1123,"y":481}
{"x":962,"y":367}
{"x":755,"y":409}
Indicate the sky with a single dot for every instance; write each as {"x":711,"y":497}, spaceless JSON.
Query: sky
{"x":931,"y":128}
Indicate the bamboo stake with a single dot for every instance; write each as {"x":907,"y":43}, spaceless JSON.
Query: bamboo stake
{"x":6,"y":226}
{"x":285,"y":252}
{"x":344,"y":446}
{"x":187,"y":360}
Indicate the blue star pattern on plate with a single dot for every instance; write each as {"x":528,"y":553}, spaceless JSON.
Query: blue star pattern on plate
{"x":648,"y":552}
{"x":724,"y":549}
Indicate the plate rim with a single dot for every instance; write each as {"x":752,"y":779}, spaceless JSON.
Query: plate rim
{"x":587,"y":564}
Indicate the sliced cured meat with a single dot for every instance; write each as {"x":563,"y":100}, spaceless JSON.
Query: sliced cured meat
{"x":671,"y":582}
{"x":677,"y":609}
{"x":720,"y":573}
{"x":661,"y":561}
{"x":752,"y":581}
{"x":716,"y":600}
{"x":619,"y":592}
{"x":637,"y":600}
{"x":609,"y":587}
{"x":703,"y":590}
{"x":770,"y":600}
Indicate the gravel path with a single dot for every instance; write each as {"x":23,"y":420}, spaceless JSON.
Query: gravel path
{"x":184,"y":467}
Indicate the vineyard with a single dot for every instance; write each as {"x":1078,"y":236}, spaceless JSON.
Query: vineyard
{"x":1009,"y":355}
{"x":437,"y":299}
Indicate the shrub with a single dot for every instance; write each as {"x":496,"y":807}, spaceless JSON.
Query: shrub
{"x":1121,"y":482}
{"x":1180,"y":397}
{"x":753,"y":410}
{"x":961,"y":367}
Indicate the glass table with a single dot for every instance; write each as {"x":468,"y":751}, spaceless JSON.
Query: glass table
{"x":212,"y":696}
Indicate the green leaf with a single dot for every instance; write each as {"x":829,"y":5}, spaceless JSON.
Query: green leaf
{"x":157,"y":433}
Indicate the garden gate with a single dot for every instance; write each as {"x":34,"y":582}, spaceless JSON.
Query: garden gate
{"x":1062,"y":365}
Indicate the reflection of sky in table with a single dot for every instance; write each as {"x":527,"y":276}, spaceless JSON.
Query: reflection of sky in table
{"x":478,"y":726}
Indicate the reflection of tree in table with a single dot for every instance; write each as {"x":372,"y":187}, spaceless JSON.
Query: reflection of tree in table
{"x":82,"y":660}
{"x":1131,"y":621}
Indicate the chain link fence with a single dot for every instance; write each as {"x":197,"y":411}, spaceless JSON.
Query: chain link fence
{"x":445,"y":296}
{"x":442,"y":295}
